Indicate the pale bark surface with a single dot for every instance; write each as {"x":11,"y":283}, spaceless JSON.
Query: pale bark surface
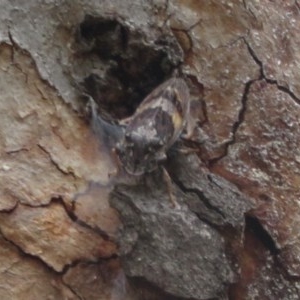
{"x":70,"y":230}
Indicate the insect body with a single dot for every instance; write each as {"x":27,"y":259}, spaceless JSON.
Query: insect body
{"x":154,"y":127}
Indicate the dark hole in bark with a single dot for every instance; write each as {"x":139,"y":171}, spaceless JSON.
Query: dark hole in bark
{"x":132,"y":66}
{"x":255,"y":226}
{"x":109,"y":37}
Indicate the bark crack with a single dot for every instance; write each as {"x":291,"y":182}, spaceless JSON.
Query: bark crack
{"x":269,"y":80}
{"x":201,"y":196}
{"x":71,"y":214}
{"x":58,"y":167}
{"x":241,"y":114}
{"x":26,"y":254}
{"x":72,"y":290}
{"x":16,"y":47}
{"x":75,"y":219}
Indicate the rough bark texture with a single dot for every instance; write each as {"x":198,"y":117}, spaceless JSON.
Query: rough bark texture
{"x":181,"y":250}
{"x":69,"y":229}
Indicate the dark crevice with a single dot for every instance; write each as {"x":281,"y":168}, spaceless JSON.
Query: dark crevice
{"x":283,"y":89}
{"x":9,"y":210}
{"x":66,"y":267}
{"x":210,"y":223}
{"x":70,"y":211}
{"x":221,"y":229}
{"x":131,"y":204}
{"x":268,"y":80}
{"x":201,"y":197}
{"x":205,"y":114}
{"x":133,"y":65}
{"x":57,"y":166}
{"x":244,"y":99}
{"x":71,"y":214}
{"x":28,"y":255}
{"x":13,"y":46}
{"x":76,"y":262}
{"x":72,"y":290}
{"x":14,"y":151}
{"x":242,"y":112}
{"x":97,"y":230}
{"x":194,"y":25}
{"x":253,"y":224}
{"x":255,"y":58}
{"x":236,"y":124}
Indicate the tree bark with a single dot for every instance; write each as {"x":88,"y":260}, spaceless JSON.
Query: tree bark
{"x":72,"y":229}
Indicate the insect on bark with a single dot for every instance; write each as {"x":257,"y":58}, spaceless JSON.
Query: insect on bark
{"x":154,"y":128}
{"x":143,"y":140}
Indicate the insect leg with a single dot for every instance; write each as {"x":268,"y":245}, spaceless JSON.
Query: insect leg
{"x":168,"y":181}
